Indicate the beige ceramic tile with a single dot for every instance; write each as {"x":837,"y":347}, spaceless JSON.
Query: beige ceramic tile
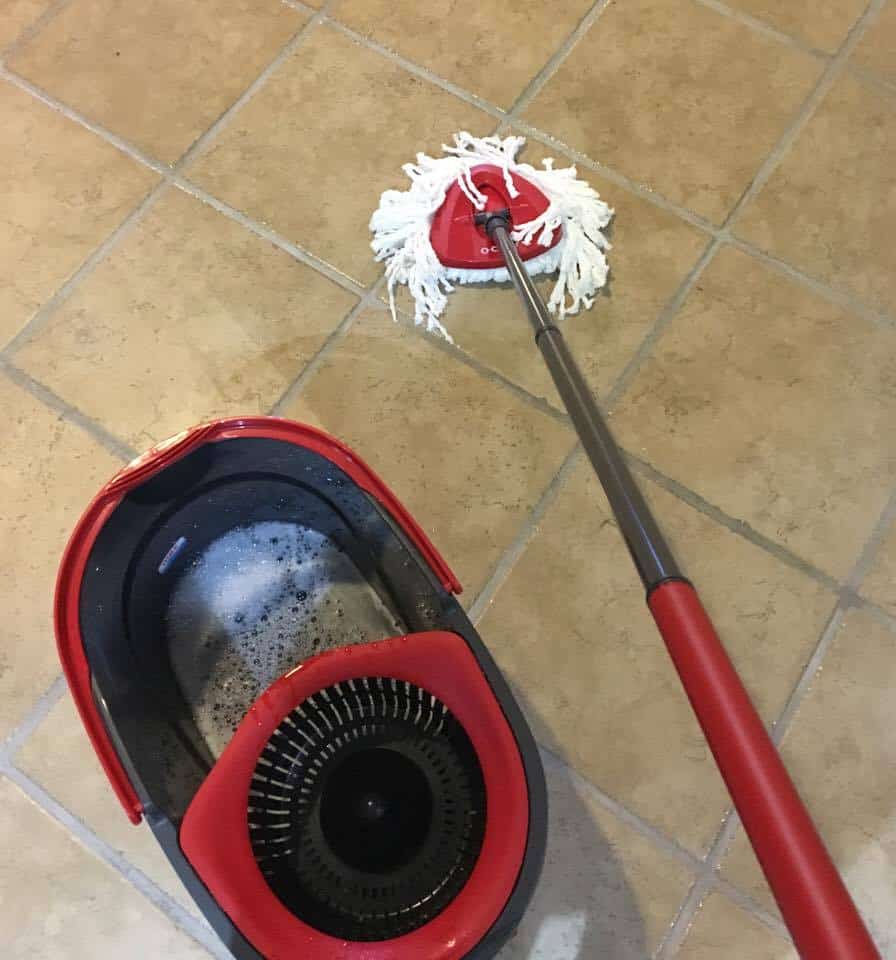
{"x":841,"y":752}
{"x":571,"y":630}
{"x":776,"y":406}
{"x":62,"y":192}
{"x":678,"y":97}
{"x":49,"y":471}
{"x":312,"y":153}
{"x":723,"y":930}
{"x":652,"y":252}
{"x":828,"y":208}
{"x":158,"y":73}
{"x":59,"y":903}
{"x":18,"y":15}
{"x":606,"y":891}
{"x":191,"y":317}
{"x":879,"y":584}
{"x":490,"y":52}
{"x":60,"y":758}
{"x":877,"y":48}
{"x":823,"y":25}
{"x":466,"y":455}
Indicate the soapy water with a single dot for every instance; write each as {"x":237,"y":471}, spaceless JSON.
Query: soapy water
{"x":257,"y":602}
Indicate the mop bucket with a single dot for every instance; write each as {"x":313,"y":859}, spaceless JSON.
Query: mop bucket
{"x":268,"y":656}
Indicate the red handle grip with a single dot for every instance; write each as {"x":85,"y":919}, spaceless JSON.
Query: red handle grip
{"x":814,"y":902}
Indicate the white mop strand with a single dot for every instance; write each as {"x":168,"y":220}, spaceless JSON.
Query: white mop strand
{"x":403,"y":220}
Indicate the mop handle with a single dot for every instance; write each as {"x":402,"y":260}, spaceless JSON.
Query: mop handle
{"x":815,"y":904}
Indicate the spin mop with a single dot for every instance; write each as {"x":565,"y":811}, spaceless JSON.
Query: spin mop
{"x":478,"y":214}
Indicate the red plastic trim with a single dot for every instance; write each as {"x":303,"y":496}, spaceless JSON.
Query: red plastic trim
{"x":67,"y":625}
{"x":814,"y":902}
{"x":442,"y":664}
{"x":275,"y":428}
{"x":459,"y":242}
{"x":74,"y":560}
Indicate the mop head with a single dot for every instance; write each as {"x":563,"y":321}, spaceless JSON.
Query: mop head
{"x":401,"y":228}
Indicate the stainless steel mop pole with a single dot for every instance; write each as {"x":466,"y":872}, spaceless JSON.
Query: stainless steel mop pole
{"x":814,"y":902}
{"x":649,"y":550}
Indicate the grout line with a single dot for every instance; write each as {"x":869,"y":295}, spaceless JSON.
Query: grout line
{"x":616,"y":176}
{"x":701,"y":890}
{"x":34,"y":28}
{"x":867,"y":75}
{"x":754,"y":907}
{"x":687,"y":913}
{"x":883,"y":616}
{"x":878,"y":83}
{"x":553,"y":760}
{"x":164,"y":902}
{"x":537,"y":83}
{"x":298,"y":38}
{"x":371,"y":298}
{"x":838,"y":297}
{"x":819,"y":91}
{"x":495,"y":376}
{"x":792,"y":705}
{"x":869,"y":551}
{"x":876,"y":612}
{"x":739,"y":527}
{"x":294,"y":389}
{"x":760,"y":26}
{"x":524,"y":535}
{"x":129,"y":149}
{"x":109,"y":441}
{"x":684,"y":919}
{"x":706,"y":878}
{"x":663,"y":320}
{"x":33,"y":719}
{"x":487,"y":372}
{"x":266,"y":233}
{"x":415,"y":69}
{"x":696,"y":896}
{"x":39,"y":319}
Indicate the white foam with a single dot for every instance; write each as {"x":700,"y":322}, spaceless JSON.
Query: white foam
{"x":260,"y":600}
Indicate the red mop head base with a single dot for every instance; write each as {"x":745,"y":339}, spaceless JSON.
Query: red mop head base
{"x":459,"y":242}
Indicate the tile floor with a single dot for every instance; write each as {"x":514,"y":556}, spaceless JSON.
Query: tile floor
{"x":184,"y":203}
